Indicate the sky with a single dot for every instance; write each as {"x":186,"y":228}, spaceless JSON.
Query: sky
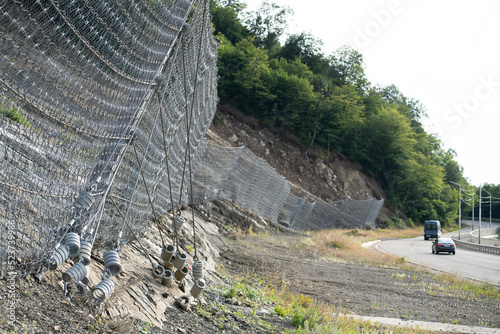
{"x":444,"y":53}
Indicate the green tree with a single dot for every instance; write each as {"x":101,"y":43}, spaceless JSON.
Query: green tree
{"x":348,"y":67}
{"x":373,"y":101}
{"x":412,"y":108}
{"x":313,"y":120}
{"x":494,"y":190}
{"x":346,"y":115}
{"x":390,"y":143}
{"x":448,"y":212}
{"x":453,"y":171}
{"x":419,"y":187}
{"x":226,"y":22}
{"x":292,"y":67}
{"x":244,"y":75}
{"x":292,"y":91}
{"x":430,"y":146}
{"x":307,"y":48}
{"x":332,"y":117}
{"x":269,"y":23}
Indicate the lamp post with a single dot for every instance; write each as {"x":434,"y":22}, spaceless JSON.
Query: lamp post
{"x":473,"y":194}
{"x":480,"y":213}
{"x":490,"y":210}
{"x":459,"y":208}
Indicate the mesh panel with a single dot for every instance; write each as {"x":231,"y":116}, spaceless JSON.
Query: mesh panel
{"x":105,"y":105}
{"x":84,"y":85}
{"x":237,"y":175}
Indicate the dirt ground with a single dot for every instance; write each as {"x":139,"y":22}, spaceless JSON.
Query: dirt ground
{"x":42,"y":309}
{"x":351,"y":288}
{"x":356,"y":288}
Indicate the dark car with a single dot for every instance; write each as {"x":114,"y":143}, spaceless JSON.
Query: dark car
{"x":443,"y":245}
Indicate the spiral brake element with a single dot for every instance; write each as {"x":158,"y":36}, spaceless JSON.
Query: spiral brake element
{"x":197,"y":269}
{"x":180,"y":260}
{"x":76,"y":273}
{"x":167,"y":253}
{"x":181,"y":273}
{"x":158,"y":271}
{"x":84,"y":200}
{"x":167,"y":278}
{"x":85,"y":252}
{"x":72,"y":240}
{"x":103,"y":290}
{"x":112,"y":262}
{"x":198,"y":288}
{"x":60,"y":255}
{"x":184,"y":301}
{"x":177,"y":223}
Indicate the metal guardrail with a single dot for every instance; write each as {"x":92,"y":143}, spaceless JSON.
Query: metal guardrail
{"x":484,"y":237}
{"x":476,"y":247}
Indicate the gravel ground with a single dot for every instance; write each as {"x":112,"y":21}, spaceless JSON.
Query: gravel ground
{"x":353,"y":288}
{"x":41,"y":308}
{"x":361,"y":289}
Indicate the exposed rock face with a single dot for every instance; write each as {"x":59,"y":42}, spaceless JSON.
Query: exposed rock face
{"x":329,"y":179}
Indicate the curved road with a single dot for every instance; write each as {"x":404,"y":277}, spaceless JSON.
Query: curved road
{"x":475,"y":265}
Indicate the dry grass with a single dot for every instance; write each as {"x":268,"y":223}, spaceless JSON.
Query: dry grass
{"x":311,"y":316}
{"x":346,"y":245}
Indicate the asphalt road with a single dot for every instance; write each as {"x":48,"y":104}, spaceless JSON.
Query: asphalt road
{"x":475,"y":265}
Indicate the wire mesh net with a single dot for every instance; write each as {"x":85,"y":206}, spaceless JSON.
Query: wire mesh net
{"x":104,"y":107}
{"x":237,"y":175}
{"x":96,"y":99}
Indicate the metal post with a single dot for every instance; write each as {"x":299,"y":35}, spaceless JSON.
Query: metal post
{"x":491,"y":230}
{"x":230,"y":171}
{"x":306,"y":218}
{"x":480,"y":213}
{"x":252,"y":183}
{"x":459,"y":208}
{"x":473,"y":194}
{"x":339,"y":212}
{"x":297,"y":209}
{"x":459,"y":211}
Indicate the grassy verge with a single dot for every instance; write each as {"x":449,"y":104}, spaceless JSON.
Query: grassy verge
{"x":307,"y":315}
{"x":474,"y":289}
{"x":345,"y":246}
{"x":302,"y":313}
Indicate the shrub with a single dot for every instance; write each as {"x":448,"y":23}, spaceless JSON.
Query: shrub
{"x":396,"y":222}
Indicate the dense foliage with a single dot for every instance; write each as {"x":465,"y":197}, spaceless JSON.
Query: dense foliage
{"x":328,"y":102}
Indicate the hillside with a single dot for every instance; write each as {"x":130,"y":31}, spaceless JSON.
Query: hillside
{"x":327,"y":179}
{"x":327,"y":101}
{"x":98,"y":105}
{"x":291,"y":263}
{"x":238,"y":266}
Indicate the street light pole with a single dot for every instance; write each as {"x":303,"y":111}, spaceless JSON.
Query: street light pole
{"x":473,"y":195}
{"x":459,"y":208}
{"x":480,"y":213}
{"x":490,"y":210}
